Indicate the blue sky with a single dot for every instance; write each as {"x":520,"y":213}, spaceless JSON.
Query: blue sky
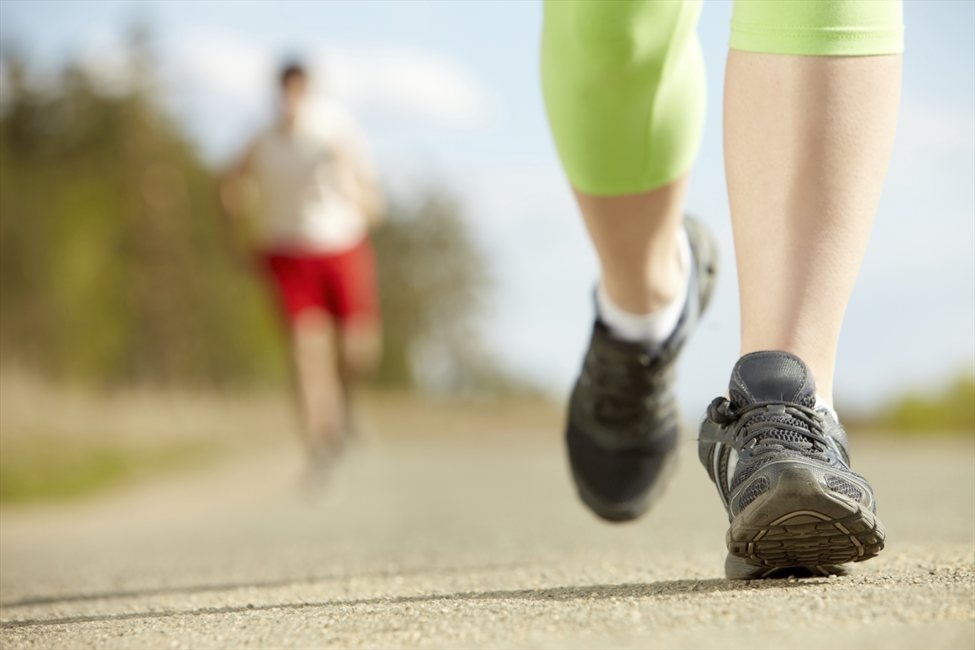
{"x":448,"y":94}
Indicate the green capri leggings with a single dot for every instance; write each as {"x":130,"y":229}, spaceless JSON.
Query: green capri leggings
{"x":624,"y":80}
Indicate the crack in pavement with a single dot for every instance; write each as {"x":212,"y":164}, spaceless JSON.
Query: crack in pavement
{"x":33,"y":601}
{"x":663,"y":589}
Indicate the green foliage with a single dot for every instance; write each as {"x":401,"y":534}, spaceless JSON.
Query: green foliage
{"x":950,"y":410}
{"x":114,"y":269}
{"x":432,"y":279}
{"x":50,"y":469}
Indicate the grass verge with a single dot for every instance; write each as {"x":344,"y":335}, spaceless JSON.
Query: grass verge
{"x":47,"y":469}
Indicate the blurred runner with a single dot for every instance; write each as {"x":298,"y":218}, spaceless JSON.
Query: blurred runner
{"x":317,"y":201}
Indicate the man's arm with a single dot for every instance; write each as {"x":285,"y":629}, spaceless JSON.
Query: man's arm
{"x":362,"y":177}
{"x":371,"y":197}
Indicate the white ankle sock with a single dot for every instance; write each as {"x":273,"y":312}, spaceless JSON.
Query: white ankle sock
{"x":657,"y":326}
{"x":823,"y":404}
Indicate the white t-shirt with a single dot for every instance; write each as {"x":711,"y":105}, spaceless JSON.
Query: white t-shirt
{"x":306,"y":180}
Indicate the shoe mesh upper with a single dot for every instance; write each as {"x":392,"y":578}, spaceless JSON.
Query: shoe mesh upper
{"x":844,"y":487}
{"x":753,"y":491}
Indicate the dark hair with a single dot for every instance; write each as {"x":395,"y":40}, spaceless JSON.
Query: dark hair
{"x":292,"y":70}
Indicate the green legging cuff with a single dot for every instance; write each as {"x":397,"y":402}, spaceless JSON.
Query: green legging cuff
{"x":818,"y":27}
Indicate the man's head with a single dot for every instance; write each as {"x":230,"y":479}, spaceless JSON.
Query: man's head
{"x":294,"y":87}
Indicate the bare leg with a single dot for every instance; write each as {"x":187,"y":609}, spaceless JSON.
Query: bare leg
{"x":361,"y":348}
{"x":316,"y":364}
{"x":636,"y":238}
{"x":807,"y":142}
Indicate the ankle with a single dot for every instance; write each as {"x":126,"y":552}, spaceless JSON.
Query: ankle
{"x":639,"y":296}
{"x":651,"y":283}
{"x":654,"y":318}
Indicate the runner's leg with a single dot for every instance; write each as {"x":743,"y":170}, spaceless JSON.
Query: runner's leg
{"x":295,"y":281}
{"x":624,"y":89}
{"x":320,"y":394}
{"x":811,"y":101}
{"x":355,"y":301}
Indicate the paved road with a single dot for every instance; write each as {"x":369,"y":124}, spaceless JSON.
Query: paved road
{"x":450,"y":544}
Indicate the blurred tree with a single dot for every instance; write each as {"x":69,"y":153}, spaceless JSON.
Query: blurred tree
{"x":949,"y":408}
{"x":111,"y":265}
{"x":434,"y":280}
{"x":113,"y":268}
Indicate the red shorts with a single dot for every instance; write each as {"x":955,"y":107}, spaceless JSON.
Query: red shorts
{"x":342,"y":284}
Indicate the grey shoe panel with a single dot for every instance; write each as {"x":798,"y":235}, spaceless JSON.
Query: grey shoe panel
{"x":772,"y":377}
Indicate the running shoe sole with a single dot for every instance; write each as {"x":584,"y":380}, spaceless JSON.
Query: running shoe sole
{"x":802,"y":525}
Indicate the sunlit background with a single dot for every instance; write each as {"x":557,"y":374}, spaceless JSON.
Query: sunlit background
{"x":117,"y":115}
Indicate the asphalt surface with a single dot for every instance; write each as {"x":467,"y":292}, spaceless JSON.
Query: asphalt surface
{"x":447,"y":543}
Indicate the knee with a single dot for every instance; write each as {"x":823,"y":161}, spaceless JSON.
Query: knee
{"x":312,"y":343}
{"x":361,"y":352}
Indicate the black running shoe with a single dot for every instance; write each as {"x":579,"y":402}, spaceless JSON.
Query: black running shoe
{"x":623,"y":423}
{"x":783,"y":473}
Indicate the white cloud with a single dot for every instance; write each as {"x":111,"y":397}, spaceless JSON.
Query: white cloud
{"x":220,"y":85}
{"x":408,"y":81}
{"x":221,"y":65}
{"x":390,"y":82}
{"x":104,"y":59}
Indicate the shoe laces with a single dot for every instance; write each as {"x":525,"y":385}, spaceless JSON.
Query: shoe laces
{"x":622,"y":387}
{"x":773,"y":427}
